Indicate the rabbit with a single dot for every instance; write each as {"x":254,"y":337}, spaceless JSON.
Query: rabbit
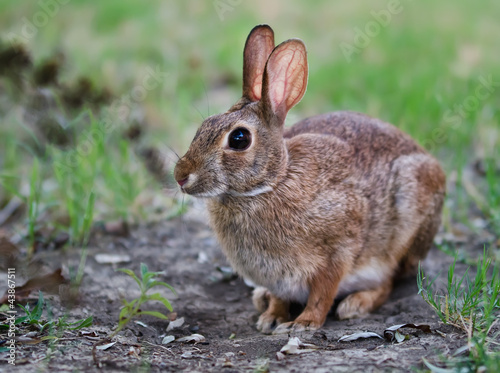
{"x":339,"y":205}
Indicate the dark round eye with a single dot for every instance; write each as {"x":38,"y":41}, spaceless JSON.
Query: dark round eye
{"x":240,"y":139}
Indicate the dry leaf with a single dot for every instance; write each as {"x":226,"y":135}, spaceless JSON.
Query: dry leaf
{"x":175,"y":324}
{"x":392,"y":333}
{"x":193,"y":338}
{"x":295,"y":346}
{"x":105,"y":346}
{"x":399,"y":337}
{"x":167,"y":339}
{"x":355,"y":336}
{"x":112,"y":258}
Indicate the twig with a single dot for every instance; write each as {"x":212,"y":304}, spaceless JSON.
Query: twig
{"x":163,"y":347}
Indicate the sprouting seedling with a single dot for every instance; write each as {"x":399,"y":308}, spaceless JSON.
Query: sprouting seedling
{"x":133,"y":308}
{"x":33,"y":316}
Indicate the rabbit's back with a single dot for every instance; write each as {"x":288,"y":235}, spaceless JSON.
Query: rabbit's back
{"x":372,"y":140}
{"x":402,"y":184}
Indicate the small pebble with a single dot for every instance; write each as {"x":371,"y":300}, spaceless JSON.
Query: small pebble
{"x":194,"y":328}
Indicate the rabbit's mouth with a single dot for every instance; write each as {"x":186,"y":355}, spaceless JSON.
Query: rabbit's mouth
{"x":191,"y":185}
{"x":194,"y":186}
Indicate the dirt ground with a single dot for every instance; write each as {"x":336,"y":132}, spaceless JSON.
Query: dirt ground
{"x":217,"y":305}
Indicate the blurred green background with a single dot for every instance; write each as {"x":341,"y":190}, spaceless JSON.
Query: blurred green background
{"x":431,"y":68}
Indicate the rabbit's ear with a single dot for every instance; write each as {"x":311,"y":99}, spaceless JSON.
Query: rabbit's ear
{"x":258,"y":47}
{"x":285,"y":78}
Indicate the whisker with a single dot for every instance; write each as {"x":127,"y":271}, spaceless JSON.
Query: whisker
{"x":173,"y":151}
{"x":199,"y":112}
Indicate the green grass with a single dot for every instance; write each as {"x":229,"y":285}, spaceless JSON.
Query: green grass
{"x":33,"y":319}
{"x":470,"y":304}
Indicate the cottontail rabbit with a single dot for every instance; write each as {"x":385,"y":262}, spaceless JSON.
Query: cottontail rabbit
{"x":338,"y":205}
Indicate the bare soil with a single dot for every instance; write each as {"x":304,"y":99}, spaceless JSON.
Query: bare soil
{"x":218,"y":306}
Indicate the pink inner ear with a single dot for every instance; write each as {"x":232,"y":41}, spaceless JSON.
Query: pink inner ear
{"x":258,"y":47}
{"x":287,"y":76}
{"x":257,"y":85}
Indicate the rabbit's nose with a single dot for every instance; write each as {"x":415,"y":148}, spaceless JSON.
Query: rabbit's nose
{"x":181,"y":182}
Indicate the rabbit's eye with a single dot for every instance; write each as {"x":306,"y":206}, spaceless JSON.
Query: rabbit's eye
{"x":239,"y":139}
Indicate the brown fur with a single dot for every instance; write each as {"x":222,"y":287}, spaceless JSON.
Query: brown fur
{"x":338,"y":204}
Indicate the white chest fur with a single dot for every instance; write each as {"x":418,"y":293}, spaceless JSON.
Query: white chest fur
{"x":275,"y":274}
{"x":368,"y":276}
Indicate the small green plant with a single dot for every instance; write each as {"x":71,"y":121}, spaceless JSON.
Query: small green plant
{"x":467,"y":303}
{"x":133,"y":308}
{"x":76,"y":171}
{"x":473,"y":306}
{"x":121,"y":176}
{"x":33,"y":317}
{"x":33,"y":204}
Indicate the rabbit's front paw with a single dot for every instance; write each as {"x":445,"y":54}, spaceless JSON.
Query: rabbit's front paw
{"x":352,"y":307}
{"x":307,"y":320}
{"x":276,"y":314}
{"x":297,"y":326}
{"x":268,"y":321}
{"x":363,"y":302}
